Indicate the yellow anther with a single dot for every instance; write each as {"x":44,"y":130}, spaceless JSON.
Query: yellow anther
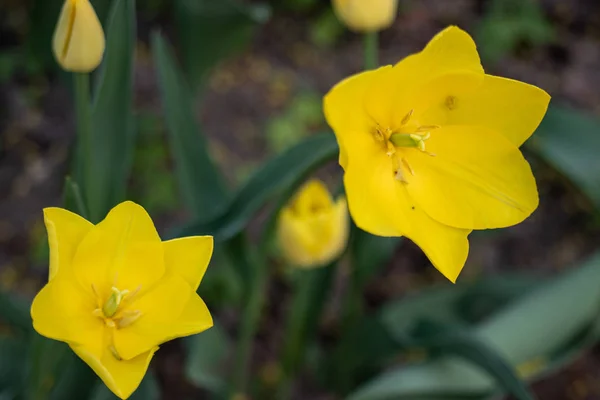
{"x":379,"y":134}
{"x":408,"y":167}
{"x":109,"y":322}
{"x":128,"y":318}
{"x":98,"y":313}
{"x":114,"y":352}
{"x":427,"y":128}
{"x":407,"y":117}
{"x":391,"y":150}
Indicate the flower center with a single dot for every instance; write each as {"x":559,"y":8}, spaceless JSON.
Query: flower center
{"x":114,"y":312}
{"x":413,"y":136}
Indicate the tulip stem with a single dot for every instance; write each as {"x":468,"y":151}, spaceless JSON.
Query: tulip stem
{"x":251,"y":316}
{"x":371,"y":43}
{"x":297,"y":331}
{"x":84,"y":136}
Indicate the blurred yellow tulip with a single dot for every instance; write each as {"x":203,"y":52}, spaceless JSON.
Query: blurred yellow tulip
{"x":313,"y":229}
{"x":366,"y":15}
{"x":78,"y":42}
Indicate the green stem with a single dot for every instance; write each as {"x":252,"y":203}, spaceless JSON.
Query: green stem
{"x":371,"y":43}
{"x":84,"y":137}
{"x":296,"y":332}
{"x":251,"y":317}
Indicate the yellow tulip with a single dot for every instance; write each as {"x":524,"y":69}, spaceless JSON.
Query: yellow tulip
{"x":430,"y":148}
{"x":313,"y":229}
{"x":78,"y":42}
{"x":116,"y":291}
{"x":366,"y":15}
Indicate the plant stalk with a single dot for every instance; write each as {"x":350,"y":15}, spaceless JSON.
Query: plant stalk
{"x":371,"y":49}
{"x":84,"y":137}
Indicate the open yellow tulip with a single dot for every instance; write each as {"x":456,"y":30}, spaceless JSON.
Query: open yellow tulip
{"x":313,"y":229}
{"x":78,"y":42}
{"x":116,"y":291}
{"x":430,"y":148}
{"x":366,"y":15}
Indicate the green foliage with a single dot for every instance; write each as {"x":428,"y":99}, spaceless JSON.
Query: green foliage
{"x":206,"y":357}
{"x":210,"y":31}
{"x":302,"y":115}
{"x":568,"y":140}
{"x":326,"y":29}
{"x":273,"y":178}
{"x":509,"y":22}
{"x":112,"y":124}
{"x":200,"y":182}
{"x":550,"y":325}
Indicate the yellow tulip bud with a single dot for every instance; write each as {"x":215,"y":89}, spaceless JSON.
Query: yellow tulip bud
{"x":78,"y":42}
{"x":313,"y":229}
{"x":366,"y":15}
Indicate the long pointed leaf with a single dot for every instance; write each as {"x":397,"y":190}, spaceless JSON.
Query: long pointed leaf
{"x":200,"y":182}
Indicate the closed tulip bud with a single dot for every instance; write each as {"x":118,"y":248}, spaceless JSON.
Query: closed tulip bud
{"x":366,"y":15}
{"x":78,"y":42}
{"x":313,"y":228}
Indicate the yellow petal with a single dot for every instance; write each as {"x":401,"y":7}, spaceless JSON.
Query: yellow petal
{"x":477,"y":179}
{"x":62,"y":311}
{"x":121,"y":377}
{"x":65,"y":231}
{"x":123,"y":250}
{"x":189,"y":257}
{"x":78,"y":42}
{"x":171,"y":310}
{"x":345,"y":110}
{"x":398,"y":90}
{"x":511,"y":108}
{"x":450,"y":50}
{"x":380,"y":204}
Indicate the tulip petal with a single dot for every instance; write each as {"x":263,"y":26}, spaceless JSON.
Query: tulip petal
{"x":380,"y":204}
{"x":396,"y":91}
{"x":124,"y":250}
{"x":450,"y":50}
{"x":65,"y":231}
{"x":122,"y":377}
{"x":345,"y":110}
{"x":165,"y":314}
{"x":62,"y":311}
{"x":189,"y":257}
{"x":78,"y":41}
{"x":511,"y":108}
{"x":483,"y":179}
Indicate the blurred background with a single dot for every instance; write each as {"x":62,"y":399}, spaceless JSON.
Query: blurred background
{"x":275,"y":61}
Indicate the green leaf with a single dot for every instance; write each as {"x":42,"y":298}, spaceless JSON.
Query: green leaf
{"x":568,"y":140}
{"x":210,"y":31}
{"x":275,"y":177}
{"x":200,"y":182}
{"x":75,"y":380}
{"x":113,"y":132}
{"x":449,"y":340}
{"x":14,"y":312}
{"x":547,"y":326}
{"x":371,"y":254}
{"x":148,"y":390}
{"x":12,"y":363}
{"x":206,"y":357}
